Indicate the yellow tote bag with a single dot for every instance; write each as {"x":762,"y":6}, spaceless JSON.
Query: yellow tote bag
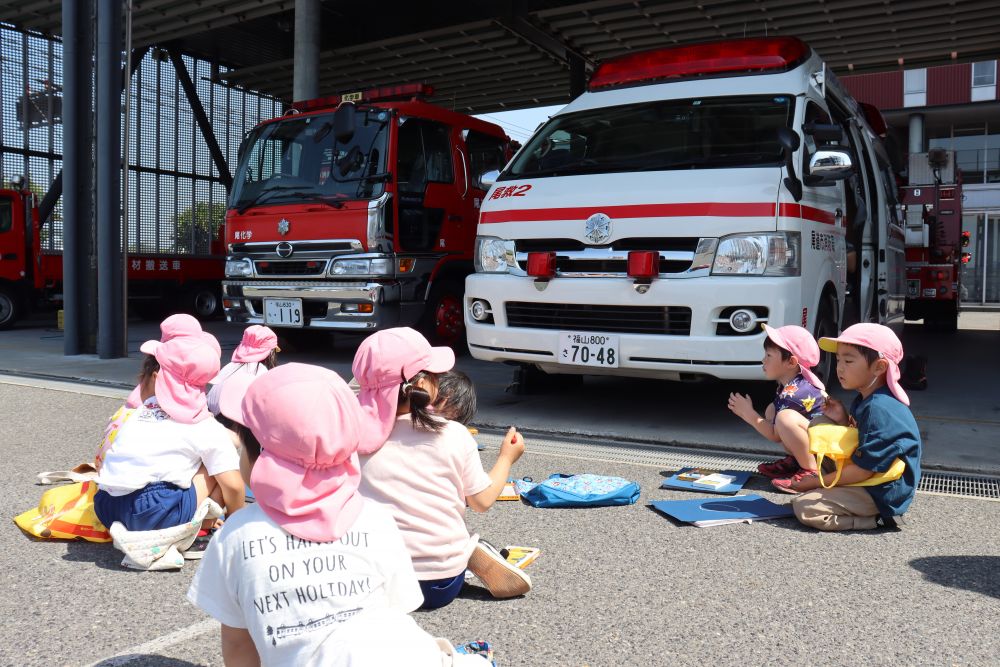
{"x":65,"y":513}
{"x":838,"y":444}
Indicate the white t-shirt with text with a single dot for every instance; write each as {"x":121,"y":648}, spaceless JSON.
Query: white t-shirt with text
{"x":292,"y":595}
{"x":150,"y":447}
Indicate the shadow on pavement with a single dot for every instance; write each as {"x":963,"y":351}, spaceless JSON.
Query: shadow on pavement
{"x":145,"y":659}
{"x":103,"y":555}
{"x":979,"y":574}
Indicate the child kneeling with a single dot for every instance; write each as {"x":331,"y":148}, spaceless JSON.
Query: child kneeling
{"x":868,"y":357}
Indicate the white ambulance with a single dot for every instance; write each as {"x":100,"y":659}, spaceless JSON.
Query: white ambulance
{"x":693,"y":193}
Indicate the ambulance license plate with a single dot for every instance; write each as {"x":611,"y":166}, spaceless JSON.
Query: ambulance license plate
{"x":588,"y":349}
{"x":283,"y":312}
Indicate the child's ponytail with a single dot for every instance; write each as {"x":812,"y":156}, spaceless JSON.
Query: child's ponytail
{"x":419,"y":401}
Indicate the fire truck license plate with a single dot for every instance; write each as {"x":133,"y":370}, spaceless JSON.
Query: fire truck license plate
{"x":283,"y":312}
{"x":588,"y":349}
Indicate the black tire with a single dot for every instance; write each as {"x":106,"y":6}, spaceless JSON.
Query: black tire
{"x":826,"y":326}
{"x":204,"y":301}
{"x":11,"y":308}
{"x":443,"y":321}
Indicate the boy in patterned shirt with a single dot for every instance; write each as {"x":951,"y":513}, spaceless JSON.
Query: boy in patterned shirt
{"x":789,"y":353}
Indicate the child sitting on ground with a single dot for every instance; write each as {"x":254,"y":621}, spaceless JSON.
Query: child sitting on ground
{"x":283,"y":575}
{"x":170,"y":328}
{"x":375,"y":636}
{"x":168,"y":456}
{"x":426,"y":468}
{"x":256,"y":354}
{"x":868,"y":357}
{"x":789,"y":353}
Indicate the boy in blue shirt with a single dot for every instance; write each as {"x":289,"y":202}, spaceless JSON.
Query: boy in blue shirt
{"x":868,"y":357}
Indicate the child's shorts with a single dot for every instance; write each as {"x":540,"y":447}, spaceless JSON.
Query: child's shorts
{"x":157,"y":505}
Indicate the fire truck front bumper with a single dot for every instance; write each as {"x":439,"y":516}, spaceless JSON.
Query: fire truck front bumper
{"x":677,"y":330}
{"x":346,"y":306}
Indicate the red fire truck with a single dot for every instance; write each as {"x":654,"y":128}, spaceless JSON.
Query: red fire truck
{"x":934,"y":241}
{"x":358,"y":212}
{"x":31,"y":277}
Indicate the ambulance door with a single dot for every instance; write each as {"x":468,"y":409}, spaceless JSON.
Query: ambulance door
{"x":863,"y":215}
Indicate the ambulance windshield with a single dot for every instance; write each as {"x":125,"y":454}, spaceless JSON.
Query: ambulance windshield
{"x":299,"y":160}
{"x":705,"y":133}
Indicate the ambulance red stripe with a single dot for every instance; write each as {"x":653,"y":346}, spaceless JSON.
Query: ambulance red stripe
{"x":685,"y":210}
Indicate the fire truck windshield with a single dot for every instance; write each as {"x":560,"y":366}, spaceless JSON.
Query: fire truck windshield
{"x":299,"y":159}
{"x":703,"y":133}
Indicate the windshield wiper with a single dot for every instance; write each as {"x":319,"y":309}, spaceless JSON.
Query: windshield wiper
{"x":262,"y":197}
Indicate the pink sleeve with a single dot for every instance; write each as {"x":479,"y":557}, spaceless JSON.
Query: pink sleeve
{"x":134,"y":399}
{"x":474,"y":477}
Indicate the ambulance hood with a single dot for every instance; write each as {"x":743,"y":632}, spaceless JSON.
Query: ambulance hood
{"x":680,"y":203}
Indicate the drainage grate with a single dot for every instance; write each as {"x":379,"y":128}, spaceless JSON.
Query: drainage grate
{"x":671,"y":457}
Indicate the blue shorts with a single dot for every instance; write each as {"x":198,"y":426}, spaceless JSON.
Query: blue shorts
{"x":440,"y":592}
{"x":157,"y":505}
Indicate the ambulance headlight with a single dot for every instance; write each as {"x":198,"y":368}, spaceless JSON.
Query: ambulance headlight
{"x":774,"y":254}
{"x":238,"y":268}
{"x":493,"y":255}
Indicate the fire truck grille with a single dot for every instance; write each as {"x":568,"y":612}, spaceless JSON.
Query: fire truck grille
{"x":295,"y":268}
{"x":665,"y":320}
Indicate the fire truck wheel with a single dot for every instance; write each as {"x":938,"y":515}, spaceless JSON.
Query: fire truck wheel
{"x":203,"y":301}
{"x":826,"y":326}
{"x":10,"y":307}
{"x":444,"y":321}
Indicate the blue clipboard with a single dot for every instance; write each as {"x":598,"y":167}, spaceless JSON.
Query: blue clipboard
{"x":673,"y":483}
{"x":738,"y":508}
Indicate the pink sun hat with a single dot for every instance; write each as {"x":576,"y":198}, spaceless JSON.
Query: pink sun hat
{"x":800,"y":343}
{"x":883,"y":340}
{"x":180,"y":324}
{"x":309,"y":424}
{"x":187,"y":363}
{"x":231,"y":394}
{"x":257,"y":343}
{"x":383,"y":362}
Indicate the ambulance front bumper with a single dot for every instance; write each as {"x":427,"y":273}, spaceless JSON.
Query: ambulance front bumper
{"x":701,"y":350}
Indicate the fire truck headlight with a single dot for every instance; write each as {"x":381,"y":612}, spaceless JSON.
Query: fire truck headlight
{"x":774,"y":254}
{"x":493,"y":255}
{"x":239,"y":268}
{"x":362,"y":266}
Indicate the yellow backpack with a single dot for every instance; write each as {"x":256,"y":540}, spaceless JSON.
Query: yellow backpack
{"x":835,"y":442}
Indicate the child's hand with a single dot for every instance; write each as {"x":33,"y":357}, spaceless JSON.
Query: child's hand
{"x":742,"y":406}
{"x":835,"y":411}
{"x":512,"y":446}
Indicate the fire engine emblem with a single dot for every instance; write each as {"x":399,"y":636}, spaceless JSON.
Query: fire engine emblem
{"x":598,"y":228}
{"x":283,"y":226}
{"x":284,"y":249}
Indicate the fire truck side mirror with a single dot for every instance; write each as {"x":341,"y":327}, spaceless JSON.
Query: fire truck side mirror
{"x":344,"y":122}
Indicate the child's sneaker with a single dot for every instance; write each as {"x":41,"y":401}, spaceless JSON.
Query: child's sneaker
{"x":197,"y":548}
{"x":502,"y":579}
{"x":785,"y":467}
{"x":797,"y":483}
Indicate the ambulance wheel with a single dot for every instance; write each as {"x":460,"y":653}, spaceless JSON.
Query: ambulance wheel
{"x":10,"y":307}
{"x":826,"y":326}
{"x":443,"y":322}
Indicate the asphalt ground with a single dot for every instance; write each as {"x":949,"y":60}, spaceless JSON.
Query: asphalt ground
{"x":613,"y":586}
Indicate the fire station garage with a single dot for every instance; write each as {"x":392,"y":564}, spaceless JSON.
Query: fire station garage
{"x":177,"y":84}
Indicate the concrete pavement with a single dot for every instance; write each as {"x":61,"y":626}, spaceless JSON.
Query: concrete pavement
{"x":613,"y":586}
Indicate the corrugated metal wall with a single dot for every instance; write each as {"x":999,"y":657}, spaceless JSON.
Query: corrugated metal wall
{"x":950,"y":84}
{"x":884,"y":89}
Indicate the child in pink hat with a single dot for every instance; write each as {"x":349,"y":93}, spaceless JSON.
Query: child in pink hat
{"x":426,"y":468}
{"x":285,"y":575}
{"x":789,"y":354}
{"x":170,"y":328}
{"x":163,"y":459}
{"x":868,"y":357}
{"x":256,"y":354}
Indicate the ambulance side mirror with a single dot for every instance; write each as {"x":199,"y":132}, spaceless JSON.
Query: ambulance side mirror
{"x":789,"y":142}
{"x":829,"y":165}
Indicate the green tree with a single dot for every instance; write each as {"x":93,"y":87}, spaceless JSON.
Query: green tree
{"x":195,"y":227}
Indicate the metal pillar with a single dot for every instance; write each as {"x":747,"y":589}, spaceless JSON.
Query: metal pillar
{"x":111,"y":309}
{"x":77,"y":178}
{"x":198,"y":110}
{"x":916,"y":143}
{"x":305,"y":70}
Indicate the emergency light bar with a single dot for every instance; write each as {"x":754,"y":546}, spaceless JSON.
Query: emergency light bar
{"x":380,"y":94}
{"x":748,"y":56}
